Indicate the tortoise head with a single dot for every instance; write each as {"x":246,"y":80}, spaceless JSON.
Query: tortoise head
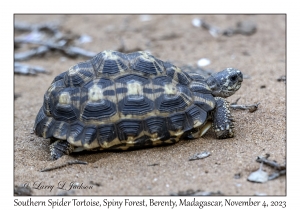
{"x":225,"y":83}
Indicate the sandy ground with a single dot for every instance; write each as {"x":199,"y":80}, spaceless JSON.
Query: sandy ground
{"x":165,"y":170}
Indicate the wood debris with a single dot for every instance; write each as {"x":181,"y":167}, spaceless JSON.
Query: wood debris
{"x":242,"y":27}
{"x":261,"y":176}
{"x":27,"y":69}
{"x":62,"y":44}
{"x":65,"y":164}
{"x":251,"y":108}
{"x":44,"y":38}
{"x":200,"y":155}
{"x":273,"y":164}
{"x":280,"y":169}
{"x":196,"y":193}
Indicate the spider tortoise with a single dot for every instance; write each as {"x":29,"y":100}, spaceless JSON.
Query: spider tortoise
{"x":122,"y":101}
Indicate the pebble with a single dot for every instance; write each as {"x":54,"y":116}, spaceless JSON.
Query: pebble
{"x":196,"y":22}
{"x":203,"y":62}
{"x":85,"y":39}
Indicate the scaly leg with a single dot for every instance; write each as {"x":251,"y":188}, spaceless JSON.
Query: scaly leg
{"x":222,"y":119}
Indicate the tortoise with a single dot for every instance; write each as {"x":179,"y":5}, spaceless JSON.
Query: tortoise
{"x":118,"y":101}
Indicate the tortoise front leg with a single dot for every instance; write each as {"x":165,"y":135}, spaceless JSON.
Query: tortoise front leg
{"x":222,"y":119}
{"x":60,"y":148}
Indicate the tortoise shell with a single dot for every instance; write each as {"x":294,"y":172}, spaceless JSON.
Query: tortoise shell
{"x":123,"y":101}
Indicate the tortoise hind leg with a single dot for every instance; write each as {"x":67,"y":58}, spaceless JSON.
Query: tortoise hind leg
{"x":222,"y":119}
{"x":60,"y":148}
{"x":196,"y":132}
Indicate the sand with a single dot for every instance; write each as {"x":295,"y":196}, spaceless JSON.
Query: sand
{"x":165,"y":170}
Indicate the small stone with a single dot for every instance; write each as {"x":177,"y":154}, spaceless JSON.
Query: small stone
{"x":196,"y":22}
{"x":203,"y":62}
{"x":85,"y":39}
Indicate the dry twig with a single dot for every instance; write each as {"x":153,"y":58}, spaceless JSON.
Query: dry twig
{"x":277,"y":174}
{"x":242,"y":27}
{"x":251,"y":108}
{"x":66,"y":164}
{"x":49,"y":27}
{"x":280,"y":169}
{"x":47,"y":37}
{"x":61,"y":45}
{"x":27,"y":69}
{"x":273,"y":164}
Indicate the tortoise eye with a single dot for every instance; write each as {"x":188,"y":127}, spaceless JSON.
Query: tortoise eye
{"x":233,"y":77}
